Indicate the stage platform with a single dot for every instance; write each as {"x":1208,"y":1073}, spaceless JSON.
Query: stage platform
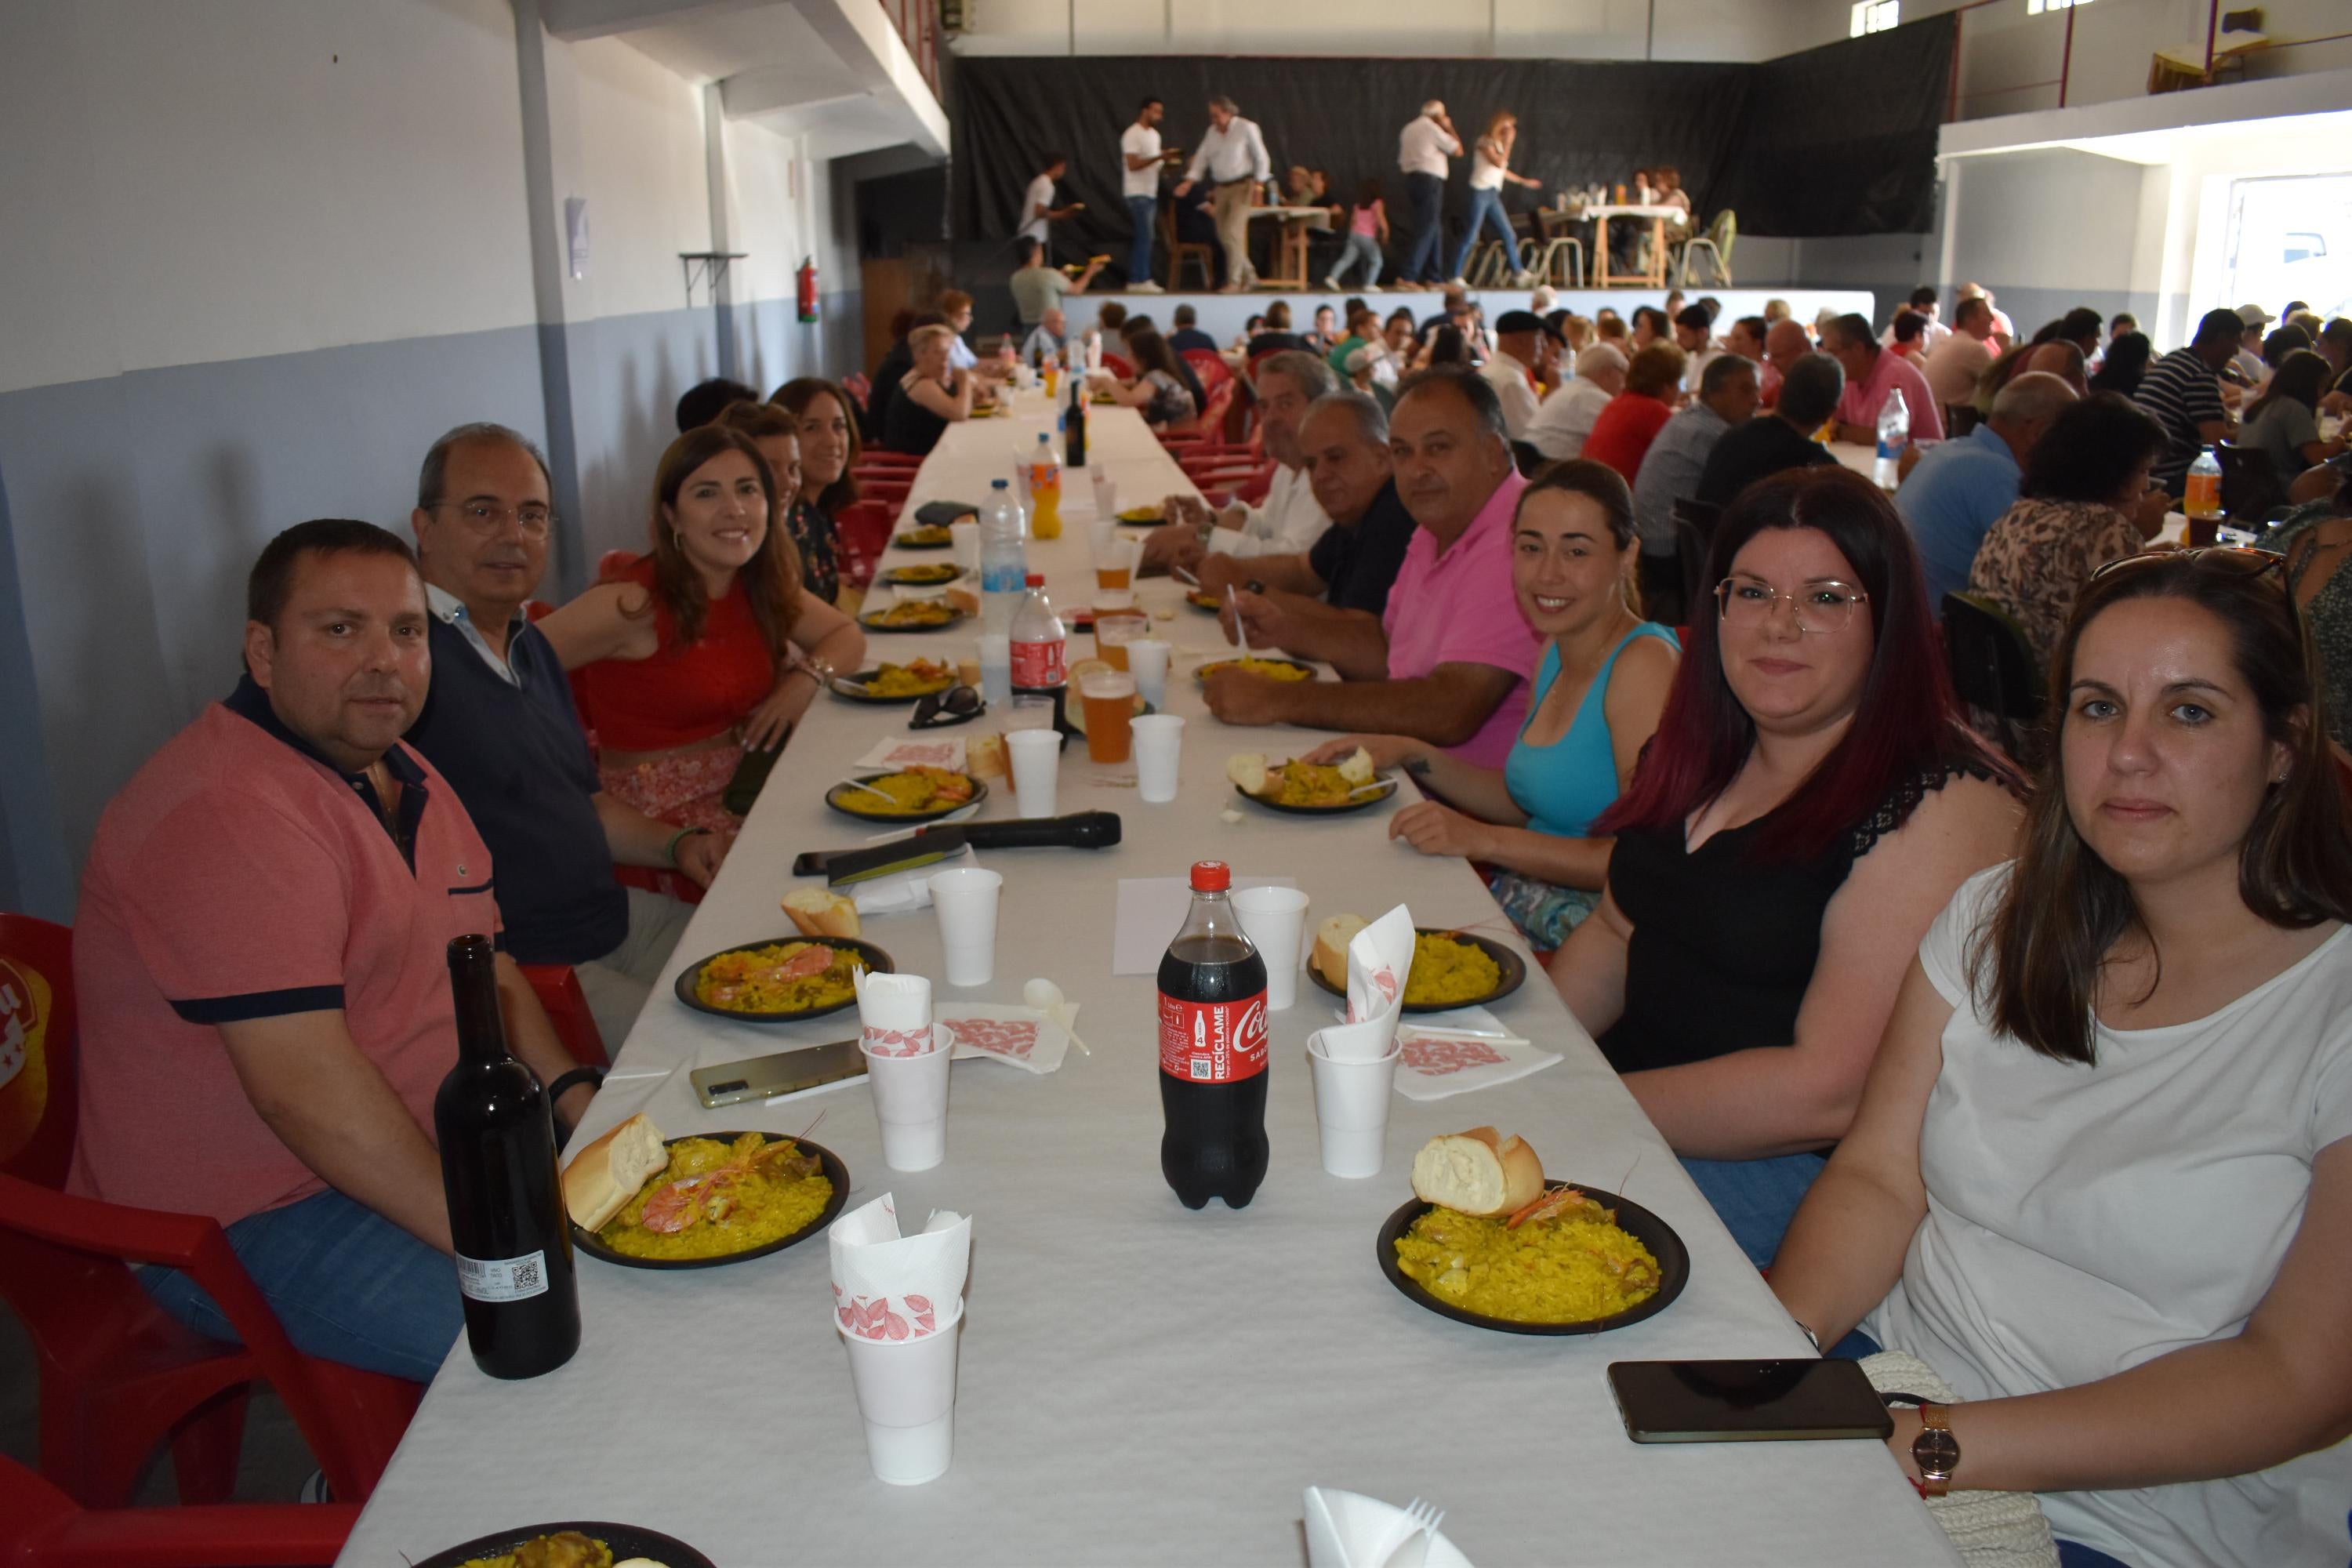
{"x":1222,"y":316}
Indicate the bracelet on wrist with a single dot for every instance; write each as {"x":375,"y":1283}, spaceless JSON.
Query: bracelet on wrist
{"x":670,"y":851}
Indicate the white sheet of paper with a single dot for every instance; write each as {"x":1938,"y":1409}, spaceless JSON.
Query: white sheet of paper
{"x":1152,"y":912}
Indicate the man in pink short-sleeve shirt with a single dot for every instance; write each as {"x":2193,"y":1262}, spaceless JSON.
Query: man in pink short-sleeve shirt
{"x":1871,"y":372}
{"x":261,"y":962}
{"x":1448,"y":661}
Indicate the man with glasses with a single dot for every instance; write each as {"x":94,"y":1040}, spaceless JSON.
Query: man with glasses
{"x":499,"y":724}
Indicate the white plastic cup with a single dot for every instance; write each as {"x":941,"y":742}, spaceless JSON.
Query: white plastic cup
{"x":1351,"y":1108}
{"x":1274,"y":920}
{"x":967,"y":544}
{"x":1037,"y":759}
{"x":1146,"y":660}
{"x":1159,"y":743}
{"x":996,"y":669}
{"x":906,"y":1396}
{"x":1106,"y":493}
{"x":910,"y":1101}
{"x":966,"y":899}
{"x":1103,"y":542}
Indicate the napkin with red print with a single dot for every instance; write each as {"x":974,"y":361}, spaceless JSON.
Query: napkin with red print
{"x":1380,"y":962}
{"x":1433,"y":1064}
{"x":894,"y":1010}
{"x":1018,"y":1037}
{"x":889,"y":1287}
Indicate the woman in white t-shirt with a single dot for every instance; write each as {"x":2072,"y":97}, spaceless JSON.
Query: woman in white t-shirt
{"x":2101,"y":1178}
{"x":1490,"y":165}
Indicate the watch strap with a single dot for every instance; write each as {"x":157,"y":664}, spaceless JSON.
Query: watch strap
{"x":565,"y":1083}
{"x":1935,"y":1450}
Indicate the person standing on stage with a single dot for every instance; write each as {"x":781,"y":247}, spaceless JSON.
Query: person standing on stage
{"x":1422,"y":150}
{"x":1233,"y":157}
{"x":1140,"y":161}
{"x":1038,"y":208}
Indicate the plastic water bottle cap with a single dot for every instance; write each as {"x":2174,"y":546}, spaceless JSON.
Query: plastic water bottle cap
{"x":998,"y":484}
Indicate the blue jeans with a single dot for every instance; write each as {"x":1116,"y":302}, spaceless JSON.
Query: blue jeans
{"x":348,"y":1284}
{"x":1755,"y":1199}
{"x":1360,"y":247}
{"x":1486,"y":206}
{"x":1427,"y":193}
{"x":2075,"y":1554}
{"x":1142,"y":212}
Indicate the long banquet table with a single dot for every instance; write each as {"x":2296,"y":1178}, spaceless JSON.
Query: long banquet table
{"x":1140,"y":1383}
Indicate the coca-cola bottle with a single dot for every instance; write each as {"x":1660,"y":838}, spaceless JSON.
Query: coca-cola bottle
{"x":1213,"y":1051}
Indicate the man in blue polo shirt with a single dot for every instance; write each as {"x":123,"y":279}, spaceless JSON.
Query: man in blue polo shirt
{"x":1961,"y":488}
{"x":501,"y":726}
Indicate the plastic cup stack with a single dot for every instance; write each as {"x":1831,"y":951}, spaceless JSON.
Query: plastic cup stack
{"x":1274,"y":920}
{"x":910,"y":1101}
{"x":906,"y":1396}
{"x":1352,"y":1107}
{"x":966,"y":899}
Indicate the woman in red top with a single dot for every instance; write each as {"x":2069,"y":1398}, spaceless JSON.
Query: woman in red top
{"x":1622,"y":435}
{"x":705,"y":648}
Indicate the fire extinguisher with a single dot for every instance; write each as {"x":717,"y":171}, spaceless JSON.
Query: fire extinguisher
{"x":807,"y":276}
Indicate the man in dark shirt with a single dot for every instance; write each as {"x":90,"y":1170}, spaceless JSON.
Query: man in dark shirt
{"x":1343,"y":443}
{"x":499,"y":724}
{"x":2183,"y":390}
{"x":1782,"y":438}
{"x":1188,"y":334}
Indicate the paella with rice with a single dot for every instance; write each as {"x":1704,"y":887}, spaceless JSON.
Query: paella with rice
{"x":715,"y":1198}
{"x":783,"y":977}
{"x":1561,"y":1259}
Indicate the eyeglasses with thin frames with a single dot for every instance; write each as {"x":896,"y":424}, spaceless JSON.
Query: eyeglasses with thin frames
{"x":1821,"y":608}
{"x":487,"y":518}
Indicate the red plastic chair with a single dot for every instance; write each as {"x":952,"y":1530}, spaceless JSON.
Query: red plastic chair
{"x":119,"y":1376}
{"x":1118,"y":367}
{"x":882,"y":457}
{"x":558,"y":990}
{"x":41,"y":1527}
{"x":1210,"y":366}
{"x":863,"y":529}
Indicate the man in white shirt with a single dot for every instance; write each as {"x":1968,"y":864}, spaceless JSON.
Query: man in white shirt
{"x":1512,"y":367}
{"x":1290,"y":521}
{"x":1953,"y":365}
{"x":1038,"y":209}
{"x":1232,"y":156}
{"x":1139,"y":162}
{"x":1422,"y":148}
{"x":1561,"y":426}
{"x":1694,"y":335}
{"x":1923,"y":303}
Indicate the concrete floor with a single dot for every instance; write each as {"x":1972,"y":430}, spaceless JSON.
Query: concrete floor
{"x":272,"y":1468}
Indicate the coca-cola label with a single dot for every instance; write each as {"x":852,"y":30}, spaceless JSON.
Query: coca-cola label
{"x":1212,"y":1042}
{"x":1038,"y":664}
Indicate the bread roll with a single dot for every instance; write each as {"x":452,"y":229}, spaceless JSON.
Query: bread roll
{"x":1331,"y":940}
{"x":1477,"y":1173}
{"x":983,"y":756}
{"x":1358,"y":768}
{"x":602,"y":1178}
{"x":1247,"y":769}
{"x":821,"y":912}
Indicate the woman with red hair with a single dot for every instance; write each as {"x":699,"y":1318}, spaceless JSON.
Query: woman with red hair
{"x":1809,"y":802}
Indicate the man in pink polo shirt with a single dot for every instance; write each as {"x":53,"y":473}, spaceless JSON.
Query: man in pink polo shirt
{"x":1871,"y":372}
{"x":1447,"y":662}
{"x":260,"y":957}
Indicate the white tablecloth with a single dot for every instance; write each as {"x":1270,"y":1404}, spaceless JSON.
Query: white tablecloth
{"x":1140,"y":1383}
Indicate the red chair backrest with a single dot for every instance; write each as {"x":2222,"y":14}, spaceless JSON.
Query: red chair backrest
{"x":858,"y":388}
{"x":38,"y":1034}
{"x":1210,"y":367}
{"x":1118,"y":367}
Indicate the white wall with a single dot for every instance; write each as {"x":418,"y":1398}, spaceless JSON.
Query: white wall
{"x":1568,"y":29}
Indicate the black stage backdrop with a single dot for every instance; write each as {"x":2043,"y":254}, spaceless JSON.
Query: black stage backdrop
{"x":1839,"y":140}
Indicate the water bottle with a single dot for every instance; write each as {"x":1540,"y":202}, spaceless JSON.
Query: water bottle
{"x":1041,"y":647}
{"x":2203,"y":501}
{"x":1893,"y":431}
{"x":1004,"y":559}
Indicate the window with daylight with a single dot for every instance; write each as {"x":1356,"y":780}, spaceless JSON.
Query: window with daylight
{"x":2036,"y":7}
{"x":1875,"y":15}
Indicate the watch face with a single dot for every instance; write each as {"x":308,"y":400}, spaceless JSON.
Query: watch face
{"x":1934,"y":1452}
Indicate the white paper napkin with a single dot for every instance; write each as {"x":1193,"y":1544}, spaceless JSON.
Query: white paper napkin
{"x":1380,"y":962}
{"x":1435,"y":1063}
{"x":885,"y":1287}
{"x":917,"y":751}
{"x":895,"y":1014}
{"x":903,"y":891}
{"x":1018,"y":1037}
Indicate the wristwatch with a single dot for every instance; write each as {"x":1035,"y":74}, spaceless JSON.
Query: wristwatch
{"x":1254,"y":586}
{"x":1935,"y":1450}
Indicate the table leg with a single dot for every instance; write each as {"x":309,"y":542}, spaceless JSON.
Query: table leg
{"x":1658,"y":252}
{"x":1601,"y":275}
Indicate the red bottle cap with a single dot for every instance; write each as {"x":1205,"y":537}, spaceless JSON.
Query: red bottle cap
{"x":1036,"y":579}
{"x":1212,"y":876}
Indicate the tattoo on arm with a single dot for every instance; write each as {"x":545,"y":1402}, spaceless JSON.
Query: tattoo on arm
{"x":1418,"y":766}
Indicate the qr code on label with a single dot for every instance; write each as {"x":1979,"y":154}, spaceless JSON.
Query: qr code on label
{"x":526,"y":1276}
{"x":1203,"y":1069}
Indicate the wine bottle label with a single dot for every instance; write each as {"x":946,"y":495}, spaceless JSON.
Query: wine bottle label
{"x":502,"y":1278}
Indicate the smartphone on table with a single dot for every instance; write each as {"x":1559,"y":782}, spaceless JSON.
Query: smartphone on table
{"x":1746,"y":1400}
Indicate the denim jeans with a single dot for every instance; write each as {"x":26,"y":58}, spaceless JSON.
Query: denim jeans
{"x":1360,"y":247}
{"x":1486,"y":206}
{"x":348,"y":1284}
{"x":1428,"y":196}
{"x":1755,"y":1199}
{"x":1142,"y":212}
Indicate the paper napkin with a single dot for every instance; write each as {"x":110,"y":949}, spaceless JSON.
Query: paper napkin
{"x":903,"y":891}
{"x":1019,"y":1036}
{"x":1435,"y":1063}
{"x":886,"y":1286}
{"x":1379,"y":962}
{"x":916,"y":752}
{"x":895,"y":1013}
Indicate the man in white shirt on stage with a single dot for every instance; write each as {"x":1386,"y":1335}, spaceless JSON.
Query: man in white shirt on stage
{"x":1233,"y":158}
{"x":1422,"y":150}
{"x":1038,"y":209}
{"x":1290,"y":521}
{"x":1140,"y":161}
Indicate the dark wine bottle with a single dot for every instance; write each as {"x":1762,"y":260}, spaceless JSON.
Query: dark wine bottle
{"x":506,"y":1200}
{"x":1073,"y":428}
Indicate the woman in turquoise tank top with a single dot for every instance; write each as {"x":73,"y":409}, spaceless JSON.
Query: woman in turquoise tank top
{"x":1599,"y":690}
